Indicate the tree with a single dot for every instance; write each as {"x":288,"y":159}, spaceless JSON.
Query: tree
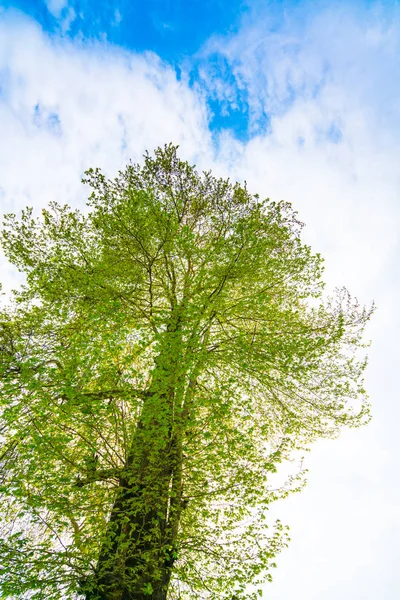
{"x":169,"y":349}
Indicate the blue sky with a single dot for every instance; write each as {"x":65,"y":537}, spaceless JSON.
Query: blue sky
{"x":171,"y":28}
{"x":301,"y":100}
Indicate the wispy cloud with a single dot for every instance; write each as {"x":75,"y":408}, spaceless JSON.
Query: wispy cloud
{"x":117,"y":18}
{"x":321,"y":93}
{"x":56,"y":6}
{"x":340,"y":58}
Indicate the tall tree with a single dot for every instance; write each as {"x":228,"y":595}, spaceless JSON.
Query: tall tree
{"x":169,"y":349}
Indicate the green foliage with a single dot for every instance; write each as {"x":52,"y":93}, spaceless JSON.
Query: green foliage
{"x":161,"y":361}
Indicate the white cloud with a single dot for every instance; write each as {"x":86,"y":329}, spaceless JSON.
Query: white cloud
{"x":64,"y":108}
{"x":67,"y":20}
{"x":56,"y":6}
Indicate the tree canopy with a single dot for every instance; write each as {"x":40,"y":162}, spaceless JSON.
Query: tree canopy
{"x":170,"y":347}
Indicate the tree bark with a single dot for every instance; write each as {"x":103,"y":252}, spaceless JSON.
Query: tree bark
{"x":139,"y":547}
{"x":143,"y":524}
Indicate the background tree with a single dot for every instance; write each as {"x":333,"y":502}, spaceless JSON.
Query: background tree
{"x":160,"y":362}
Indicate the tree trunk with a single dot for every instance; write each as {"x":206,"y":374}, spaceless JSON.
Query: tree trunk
{"x":137,"y":551}
{"x":139,"y":547}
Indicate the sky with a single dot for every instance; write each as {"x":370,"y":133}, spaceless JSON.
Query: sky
{"x":301,"y":100}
